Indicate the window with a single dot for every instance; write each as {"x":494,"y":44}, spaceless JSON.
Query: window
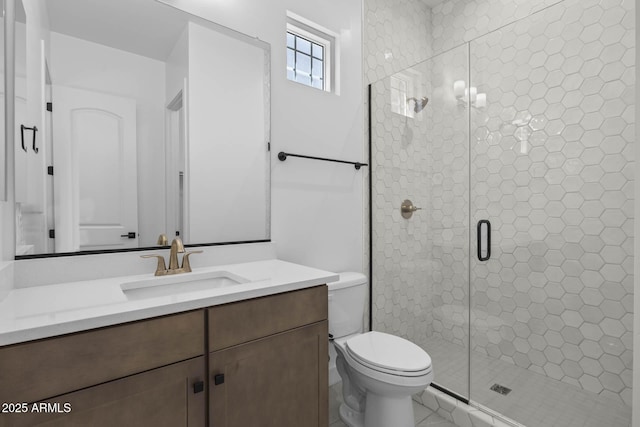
{"x":308,"y":55}
{"x":305,"y":61}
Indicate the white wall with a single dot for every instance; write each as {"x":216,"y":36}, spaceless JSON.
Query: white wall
{"x":86,"y":65}
{"x":316,"y":206}
{"x":636,"y":264}
{"x":227,"y":166}
{"x":177,"y":68}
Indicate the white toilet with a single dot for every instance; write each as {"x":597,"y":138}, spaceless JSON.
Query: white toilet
{"x":380,"y":372}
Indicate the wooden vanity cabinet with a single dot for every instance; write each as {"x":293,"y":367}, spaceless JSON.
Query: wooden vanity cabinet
{"x":171,"y":396}
{"x":110,"y":374}
{"x":269,"y":363}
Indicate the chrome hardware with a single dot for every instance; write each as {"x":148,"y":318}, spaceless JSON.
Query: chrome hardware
{"x":407,"y":209}
{"x":176,"y":248}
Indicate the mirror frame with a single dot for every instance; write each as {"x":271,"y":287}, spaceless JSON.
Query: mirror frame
{"x":6,"y":178}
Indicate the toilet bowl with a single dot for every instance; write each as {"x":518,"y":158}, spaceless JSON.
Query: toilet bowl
{"x":380,"y":372}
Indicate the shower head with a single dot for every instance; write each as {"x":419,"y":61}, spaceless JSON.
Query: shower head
{"x":419,"y":103}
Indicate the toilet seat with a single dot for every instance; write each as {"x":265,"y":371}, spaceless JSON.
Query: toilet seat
{"x":388,"y":354}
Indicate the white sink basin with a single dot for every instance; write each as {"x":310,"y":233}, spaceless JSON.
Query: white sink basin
{"x":180,"y":284}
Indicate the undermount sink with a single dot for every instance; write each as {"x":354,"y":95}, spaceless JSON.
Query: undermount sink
{"x":180,"y":284}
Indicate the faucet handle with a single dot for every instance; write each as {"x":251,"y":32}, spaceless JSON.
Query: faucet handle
{"x":162,"y":267}
{"x":186,"y":265}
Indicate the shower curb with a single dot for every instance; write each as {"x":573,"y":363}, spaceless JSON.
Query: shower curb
{"x":460,"y":413}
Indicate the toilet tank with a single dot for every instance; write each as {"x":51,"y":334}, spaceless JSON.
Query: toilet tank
{"x":347,"y":299}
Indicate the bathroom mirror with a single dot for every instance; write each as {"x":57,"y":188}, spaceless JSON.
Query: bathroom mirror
{"x":136,"y":119}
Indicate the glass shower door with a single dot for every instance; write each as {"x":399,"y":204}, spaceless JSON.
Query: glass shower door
{"x":551,"y":169}
{"x":420,"y":152}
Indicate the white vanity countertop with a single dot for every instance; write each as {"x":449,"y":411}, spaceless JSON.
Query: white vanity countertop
{"x":45,"y":311}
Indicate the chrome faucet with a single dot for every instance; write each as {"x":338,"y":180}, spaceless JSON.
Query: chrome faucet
{"x":174,"y":268}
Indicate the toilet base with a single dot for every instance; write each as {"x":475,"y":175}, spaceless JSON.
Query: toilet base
{"x":350,"y":417}
{"x":385,"y":411}
{"x":380,"y":411}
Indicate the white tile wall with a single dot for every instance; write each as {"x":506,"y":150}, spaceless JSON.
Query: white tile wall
{"x":397,"y":35}
{"x":458,"y":21}
{"x":556,"y":298}
{"x":399,"y":255}
{"x":420,"y":265}
{"x":552,"y":168}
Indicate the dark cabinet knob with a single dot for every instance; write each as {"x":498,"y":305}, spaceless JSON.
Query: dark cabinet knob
{"x":198,"y":387}
{"x":218,"y":379}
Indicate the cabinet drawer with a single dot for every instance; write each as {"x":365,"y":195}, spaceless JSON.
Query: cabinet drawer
{"x":41,"y":369}
{"x":244,"y":321}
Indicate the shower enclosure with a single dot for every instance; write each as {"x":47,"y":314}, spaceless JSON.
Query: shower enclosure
{"x":528,"y":130}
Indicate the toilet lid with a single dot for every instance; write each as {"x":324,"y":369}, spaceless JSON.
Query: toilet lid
{"x":388,"y":352}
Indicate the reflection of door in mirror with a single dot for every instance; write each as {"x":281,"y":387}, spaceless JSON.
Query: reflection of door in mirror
{"x":31,"y":148}
{"x":176,"y":164}
{"x":95,"y":182}
{"x":28,"y":147}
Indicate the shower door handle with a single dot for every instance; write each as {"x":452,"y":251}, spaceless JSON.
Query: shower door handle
{"x":484,"y":239}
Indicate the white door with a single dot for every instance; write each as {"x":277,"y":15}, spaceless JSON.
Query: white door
{"x":176,"y":183}
{"x":95,"y":184}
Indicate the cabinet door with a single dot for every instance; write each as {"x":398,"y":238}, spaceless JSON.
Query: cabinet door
{"x":38,"y":370}
{"x":160,"y":397}
{"x":278,"y":381}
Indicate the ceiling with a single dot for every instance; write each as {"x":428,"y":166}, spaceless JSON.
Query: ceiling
{"x":143,"y":27}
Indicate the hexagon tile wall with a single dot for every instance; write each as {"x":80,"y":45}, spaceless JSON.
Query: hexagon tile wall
{"x":548,"y":159}
{"x":552,"y":167}
{"x":397,"y":35}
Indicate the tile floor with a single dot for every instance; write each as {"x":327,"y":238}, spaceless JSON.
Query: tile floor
{"x":535,"y":400}
{"x":424,"y":417}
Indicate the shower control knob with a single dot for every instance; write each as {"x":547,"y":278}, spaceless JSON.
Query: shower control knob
{"x":407,"y":209}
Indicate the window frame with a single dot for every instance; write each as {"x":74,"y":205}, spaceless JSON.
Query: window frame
{"x":326,"y":44}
